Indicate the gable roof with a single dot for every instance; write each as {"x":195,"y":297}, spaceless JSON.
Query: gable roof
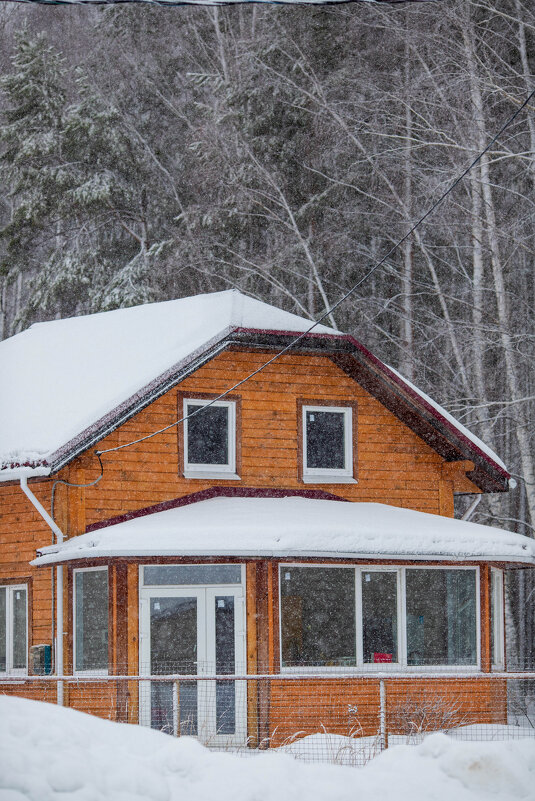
{"x":68,"y":383}
{"x":293,"y":526}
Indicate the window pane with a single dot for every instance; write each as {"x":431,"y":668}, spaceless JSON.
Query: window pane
{"x":191,"y":574}
{"x":19,"y":628}
{"x":208,"y":435}
{"x":173,"y":635}
{"x":91,"y":620}
{"x":441,"y":617}
{"x":325,"y":440}
{"x":173,"y":649}
{"x":225,"y":663}
{"x":496,"y":617}
{"x":379,"y":617}
{"x":318,"y":616}
{"x":3,"y":630}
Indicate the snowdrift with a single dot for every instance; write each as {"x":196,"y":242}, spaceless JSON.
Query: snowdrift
{"x":50,"y":753}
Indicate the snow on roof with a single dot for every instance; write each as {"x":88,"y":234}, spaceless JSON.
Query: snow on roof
{"x":62,"y":376}
{"x":451,"y":419}
{"x":294,"y":527}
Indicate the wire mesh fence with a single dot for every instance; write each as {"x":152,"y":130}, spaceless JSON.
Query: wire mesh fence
{"x":335,"y":717}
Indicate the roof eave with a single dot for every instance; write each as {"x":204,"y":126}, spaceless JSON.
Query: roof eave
{"x":350,"y":355}
{"x":49,"y":560}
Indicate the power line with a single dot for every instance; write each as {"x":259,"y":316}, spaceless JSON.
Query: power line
{"x":174,"y":3}
{"x":344,"y":297}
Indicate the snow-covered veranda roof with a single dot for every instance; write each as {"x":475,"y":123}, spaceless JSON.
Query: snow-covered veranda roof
{"x":68,"y":383}
{"x":294,"y":527}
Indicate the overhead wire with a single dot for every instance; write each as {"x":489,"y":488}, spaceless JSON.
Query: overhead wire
{"x":342,"y":300}
{"x":174,"y":3}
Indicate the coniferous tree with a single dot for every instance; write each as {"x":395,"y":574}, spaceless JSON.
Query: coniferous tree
{"x":32,"y":161}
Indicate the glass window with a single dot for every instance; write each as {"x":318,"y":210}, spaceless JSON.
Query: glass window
{"x":13,"y":628}
{"x":20,"y":637}
{"x":156,"y":575}
{"x":209,"y":436}
{"x":91,"y":619}
{"x":3,"y":629}
{"x":317,"y":616}
{"x":318,"y":609}
{"x":441,"y":617}
{"x":496,"y":619}
{"x":327,"y":441}
{"x":225,"y":660}
{"x":379,"y":616}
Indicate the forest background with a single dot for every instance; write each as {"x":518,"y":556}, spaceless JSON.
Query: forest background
{"x":150,"y":153}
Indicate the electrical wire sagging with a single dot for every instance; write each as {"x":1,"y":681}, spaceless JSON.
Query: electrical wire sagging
{"x":344,"y":297}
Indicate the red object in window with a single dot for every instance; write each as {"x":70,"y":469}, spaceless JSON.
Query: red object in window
{"x":382,"y":657}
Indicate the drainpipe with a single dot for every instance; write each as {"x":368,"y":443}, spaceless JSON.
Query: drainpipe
{"x":59,"y":585}
{"x":472,"y":508}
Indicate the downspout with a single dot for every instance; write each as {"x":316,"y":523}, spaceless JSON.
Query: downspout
{"x":59,"y":585}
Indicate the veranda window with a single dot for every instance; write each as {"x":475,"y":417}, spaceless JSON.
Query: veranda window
{"x":441,"y":617}
{"x":318,"y":616}
{"x":496,"y":620}
{"x":346,"y":616}
{"x":91,"y":620}
{"x":13,"y":629}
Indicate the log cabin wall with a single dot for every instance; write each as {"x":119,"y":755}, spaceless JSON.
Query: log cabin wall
{"x":394,"y":465}
{"x":21,"y":530}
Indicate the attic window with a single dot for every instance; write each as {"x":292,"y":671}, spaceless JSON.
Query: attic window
{"x":209,"y":438}
{"x":327,"y":444}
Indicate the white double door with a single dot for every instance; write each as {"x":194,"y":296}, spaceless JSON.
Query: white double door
{"x":197,"y":631}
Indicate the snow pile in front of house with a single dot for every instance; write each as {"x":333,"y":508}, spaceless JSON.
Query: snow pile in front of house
{"x":61,"y":377}
{"x":356,"y":751}
{"x":51,"y":753}
{"x":292,"y":527}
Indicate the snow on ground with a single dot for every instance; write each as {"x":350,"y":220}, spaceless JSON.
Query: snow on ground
{"x":53,"y":754}
{"x":291,"y":527}
{"x":357,"y":751}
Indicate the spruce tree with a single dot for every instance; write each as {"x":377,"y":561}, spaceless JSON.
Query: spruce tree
{"x":31,"y":161}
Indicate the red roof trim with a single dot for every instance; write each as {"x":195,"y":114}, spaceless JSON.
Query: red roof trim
{"x":294,"y":334}
{"x":215,"y":492}
{"x":416,"y":396}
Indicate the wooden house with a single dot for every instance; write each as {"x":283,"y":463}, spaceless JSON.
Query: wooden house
{"x":300,"y":525}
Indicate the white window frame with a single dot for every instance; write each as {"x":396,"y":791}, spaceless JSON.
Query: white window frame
{"x":325,"y":475}
{"x":223,"y":471}
{"x":442,"y":668}
{"x":401,"y":664}
{"x":206,"y":593}
{"x":10,"y":670}
{"x":360,"y":619}
{"x":75,"y":670}
{"x":497,"y":603}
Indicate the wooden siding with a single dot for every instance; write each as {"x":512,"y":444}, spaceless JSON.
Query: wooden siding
{"x":394,"y":465}
{"x":22,"y":530}
{"x":351,"y":707}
